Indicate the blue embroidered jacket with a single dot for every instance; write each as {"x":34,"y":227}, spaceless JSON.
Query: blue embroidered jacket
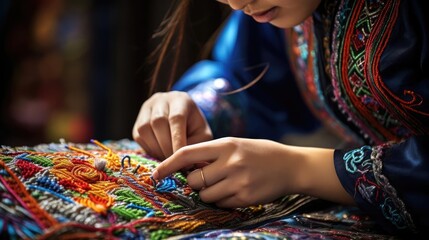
{"x":360,"y":68}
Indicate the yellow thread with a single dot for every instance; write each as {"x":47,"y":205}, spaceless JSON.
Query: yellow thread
{"x":62,"y":163}
{"x":81,"y":151}
{"x":62,"y":173}
{"x":104,"y":186}
{"x":99,"y":208}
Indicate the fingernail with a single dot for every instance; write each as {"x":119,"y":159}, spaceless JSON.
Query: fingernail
{"x":155,"y":174}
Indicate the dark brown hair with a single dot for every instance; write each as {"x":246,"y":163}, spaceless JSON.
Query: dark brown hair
{"x":172,"y":32}
{"x":172,"y":27}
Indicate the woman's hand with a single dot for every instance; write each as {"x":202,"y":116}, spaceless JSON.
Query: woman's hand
{"x":243,"y":172}
{"x":169,"y":121}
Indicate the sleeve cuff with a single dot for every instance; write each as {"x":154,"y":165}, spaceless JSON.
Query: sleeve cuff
{"x":361,"y":173}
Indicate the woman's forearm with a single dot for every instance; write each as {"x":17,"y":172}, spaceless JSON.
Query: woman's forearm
{"x":318,"y":177}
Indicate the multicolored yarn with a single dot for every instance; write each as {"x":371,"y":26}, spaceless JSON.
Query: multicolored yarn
{"x":105,"y":191}
{"x":337,"y":223}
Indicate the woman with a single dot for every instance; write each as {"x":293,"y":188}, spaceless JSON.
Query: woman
{"x":361,"y":68}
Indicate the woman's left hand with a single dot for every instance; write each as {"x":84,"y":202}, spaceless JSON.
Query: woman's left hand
{"x":238,"y":172}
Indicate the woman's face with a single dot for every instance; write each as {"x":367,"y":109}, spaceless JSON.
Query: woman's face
{"x":280,"y":13}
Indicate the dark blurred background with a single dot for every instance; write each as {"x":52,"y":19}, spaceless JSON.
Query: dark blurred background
{"x":77,"y":69}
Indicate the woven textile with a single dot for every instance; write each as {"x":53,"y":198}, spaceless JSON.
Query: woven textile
{"x":104,"y":191}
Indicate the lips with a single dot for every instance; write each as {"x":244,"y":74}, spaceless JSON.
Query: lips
{"x":265,"y":16}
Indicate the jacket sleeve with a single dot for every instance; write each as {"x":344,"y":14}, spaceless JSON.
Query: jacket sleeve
{"x":268,"y":109}
{"x":389,"y":182}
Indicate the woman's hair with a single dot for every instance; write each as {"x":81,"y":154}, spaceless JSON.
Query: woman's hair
{"x":172,"y":31}
{"x":171,"y":28}
{"x":172,"y":34}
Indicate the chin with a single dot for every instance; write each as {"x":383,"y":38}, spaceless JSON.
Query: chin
{"x":286,"y":22}
{"x":282,"y":25}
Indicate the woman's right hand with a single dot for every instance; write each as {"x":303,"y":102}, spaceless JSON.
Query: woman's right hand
{"x":168,"y":121}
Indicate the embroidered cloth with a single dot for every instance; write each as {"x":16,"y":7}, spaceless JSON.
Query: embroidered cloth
{"x":104,"y":191}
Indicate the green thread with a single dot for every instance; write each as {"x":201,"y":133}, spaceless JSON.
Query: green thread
{"x":128,"y":196}
{"x":161,"y":234}
{"x":145,"y":161}
{"x":40,"y":160}
{"x":195,"y":197}
{"x":173,"y":207}
{"x":128,"y":213}
{"x":108,"y":171}
{"x":179,"y":176}
{"x":6,"y":159}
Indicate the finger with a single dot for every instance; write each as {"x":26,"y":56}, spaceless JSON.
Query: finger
{"x":153,"y":149}
{"x":217,"y":192}
{"x":199,"y":138}
{"x":188,"y":156}
{"x":195,"y":166}
{"x":146,"y":138}
{"x":207,"y":176}
{"x":138,"y":138}
{"x":138,"y":124}
{"x":196,"y":179}
{"x":161,"y":128}
{"x":199,"y":130}
{"x":142,"y":143}
{"x":230,"y":202}
{"x":177,"y":119}
{"x":198,"y":121}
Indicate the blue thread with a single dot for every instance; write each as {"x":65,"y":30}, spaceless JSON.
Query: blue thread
{"x":354,"y":157}
{"x":166,"y":185}
{"x":136,"y":235}
{"x":7,"y":202}
{"x":50,"y":184}
{"x":51,"y":192}
{"x":12,"y":232}
{"x":23,"y":156}
{"x":392,"y":214}
{"x":149,"y":212}
{"x":4,"y":173}
{"x":33,"y":227}
{"x":27,"y":232}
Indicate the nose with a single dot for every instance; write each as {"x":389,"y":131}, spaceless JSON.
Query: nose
{"x":239,"y":4}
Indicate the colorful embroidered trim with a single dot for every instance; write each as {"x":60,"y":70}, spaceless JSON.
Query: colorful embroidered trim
{"x":374,"y":187}
{"x":393,"y":207}
{"x":303,"y":46}
{"x":361,"y":31}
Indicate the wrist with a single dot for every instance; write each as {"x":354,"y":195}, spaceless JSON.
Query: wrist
{"x":317,"y":177}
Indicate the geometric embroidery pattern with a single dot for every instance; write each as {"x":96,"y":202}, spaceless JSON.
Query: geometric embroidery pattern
{"x":353,"y":71}
{"x":101,"y":191}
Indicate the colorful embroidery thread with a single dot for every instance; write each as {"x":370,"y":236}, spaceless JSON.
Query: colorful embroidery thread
{"x":105,"y":190}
